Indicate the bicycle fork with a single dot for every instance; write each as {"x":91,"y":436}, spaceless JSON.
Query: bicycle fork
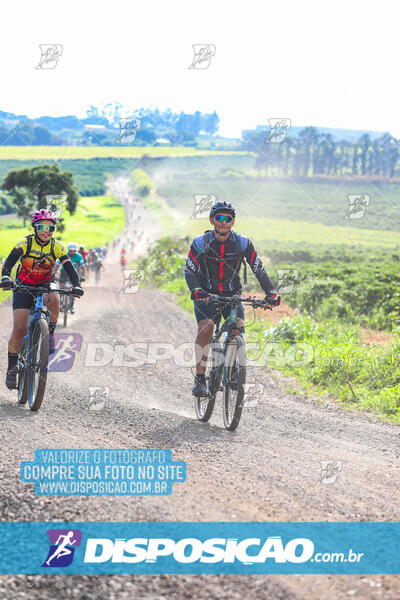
{"x":230,"y":355}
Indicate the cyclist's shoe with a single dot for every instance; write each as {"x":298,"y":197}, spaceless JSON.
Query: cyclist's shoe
{"x":72,"y":310}
{"x":11,"y":378}
{"x":200,"y":386}
{"x":52,"y":343}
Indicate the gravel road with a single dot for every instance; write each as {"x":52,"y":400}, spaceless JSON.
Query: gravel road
{"x":268,"y":470}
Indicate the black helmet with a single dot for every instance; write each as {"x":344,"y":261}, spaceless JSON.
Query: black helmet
{"x":222,"y":207}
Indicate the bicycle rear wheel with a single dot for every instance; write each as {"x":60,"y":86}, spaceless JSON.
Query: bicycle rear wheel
{"x":22,"y":371}
{"x":65,"y":311}
{"x":204,"y":405}
{"x":234,"y":380}
{"x":65,"y":304}
{"x":37,"y":368}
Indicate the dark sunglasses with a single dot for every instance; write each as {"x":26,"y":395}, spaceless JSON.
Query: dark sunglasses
{"x":222,"y":218}
{"x":44,"y":228}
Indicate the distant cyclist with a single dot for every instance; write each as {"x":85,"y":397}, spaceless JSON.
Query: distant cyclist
{"x":37,"y":254}
{"x":83,"y":252}
{"x":90,"y":258}
{"x":77,"y":260}
{"x":99,"y":252}
{"x":212,"y":267}
{"x":97,"y":266}
{"x":123,"y":260}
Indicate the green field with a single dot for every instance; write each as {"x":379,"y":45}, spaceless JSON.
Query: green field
{"x":72,"y":152}
{"x":96,"y":221}
{"x":347,"y":269}
{"x":311,"y":202}
{"x":268,"y":233}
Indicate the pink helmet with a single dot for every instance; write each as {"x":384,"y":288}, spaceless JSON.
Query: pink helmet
{"x":42,"y":215}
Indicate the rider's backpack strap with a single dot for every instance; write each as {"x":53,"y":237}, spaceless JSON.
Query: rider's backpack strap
{"x":52,"y":249}
{"x":243,"y":243}
{"x":26,"y":253}
{"x":28,"y":245}
{"x":203,"y":245}
{"x":240,"y":248}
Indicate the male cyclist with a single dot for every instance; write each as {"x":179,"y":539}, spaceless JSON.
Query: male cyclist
{"x":37,"y":253}
{"x":97,"y":265}
{"x":90,"y":260}
{"x":99,"y":252}
{"x":77,"y":260}
{"x":83,"y":252}
{"x":212,"y":267}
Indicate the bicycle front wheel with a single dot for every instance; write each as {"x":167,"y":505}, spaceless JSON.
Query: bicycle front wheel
{"x":22,"y":371}
{"x":65,"y":310}
{"x":37,"y":367}
{"x":234,"y":380}
{"x":204,"y":405}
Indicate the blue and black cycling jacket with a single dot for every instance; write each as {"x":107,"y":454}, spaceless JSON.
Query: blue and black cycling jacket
{"x":215,"y":266}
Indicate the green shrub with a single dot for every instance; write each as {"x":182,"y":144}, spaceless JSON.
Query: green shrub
{"x":142,"y":182}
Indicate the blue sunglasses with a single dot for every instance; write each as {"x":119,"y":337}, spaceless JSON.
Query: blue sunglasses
{"x":222,"y":218}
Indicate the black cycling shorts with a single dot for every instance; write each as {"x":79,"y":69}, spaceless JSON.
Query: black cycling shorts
{"x":63,"y":275}
{"x":25,"y":300}
{"x":203,"y":310}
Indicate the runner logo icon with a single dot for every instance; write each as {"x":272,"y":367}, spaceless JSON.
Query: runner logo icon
{"x":62,"y":542}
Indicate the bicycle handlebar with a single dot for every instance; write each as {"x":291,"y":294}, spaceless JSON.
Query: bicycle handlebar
{"x":36,"y":290}
{"x":255,"y":302}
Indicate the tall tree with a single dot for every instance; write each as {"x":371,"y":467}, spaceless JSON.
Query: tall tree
{"x":308,"y":139}
{"x":29,"y":187}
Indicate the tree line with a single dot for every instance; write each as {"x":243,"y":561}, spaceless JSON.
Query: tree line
{"x":177,"y":128}
{"x":315,"y":153}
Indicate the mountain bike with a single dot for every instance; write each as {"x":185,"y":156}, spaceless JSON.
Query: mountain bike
{"x":226,"y":363}
{"x":97,"y":271}
{"x":66,"y":302}
{"x":34,"y":353}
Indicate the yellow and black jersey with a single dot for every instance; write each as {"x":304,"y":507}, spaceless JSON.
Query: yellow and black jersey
{"x":36,"y":260}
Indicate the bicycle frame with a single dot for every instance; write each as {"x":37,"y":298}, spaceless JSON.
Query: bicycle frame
{"x":227,"y":362}
{"x":230,"y":324}
{"x":28,"y":364}
{"x":34,"y":315}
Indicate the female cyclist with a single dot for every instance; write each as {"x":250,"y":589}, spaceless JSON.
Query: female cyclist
{"x":37,"y":254}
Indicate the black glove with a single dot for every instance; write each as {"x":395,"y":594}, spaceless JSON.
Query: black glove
{"x":272,"y":299}
{"x":6,"y":283}
{"x":77,"y":291}
{"x":199,"y":293}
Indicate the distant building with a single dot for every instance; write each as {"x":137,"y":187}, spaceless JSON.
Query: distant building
{"x":94,"y":126}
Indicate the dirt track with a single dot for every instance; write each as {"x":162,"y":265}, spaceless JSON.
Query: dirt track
{"x":269,"y":470}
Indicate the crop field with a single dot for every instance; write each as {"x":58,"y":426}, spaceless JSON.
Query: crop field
{"x":323,"y":203}
{"x":123,"y":151}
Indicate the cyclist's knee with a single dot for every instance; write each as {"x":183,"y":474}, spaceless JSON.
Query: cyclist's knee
{"x":205,"y":327}
{"x":19,"y":330}
{"x":53,"y":301}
